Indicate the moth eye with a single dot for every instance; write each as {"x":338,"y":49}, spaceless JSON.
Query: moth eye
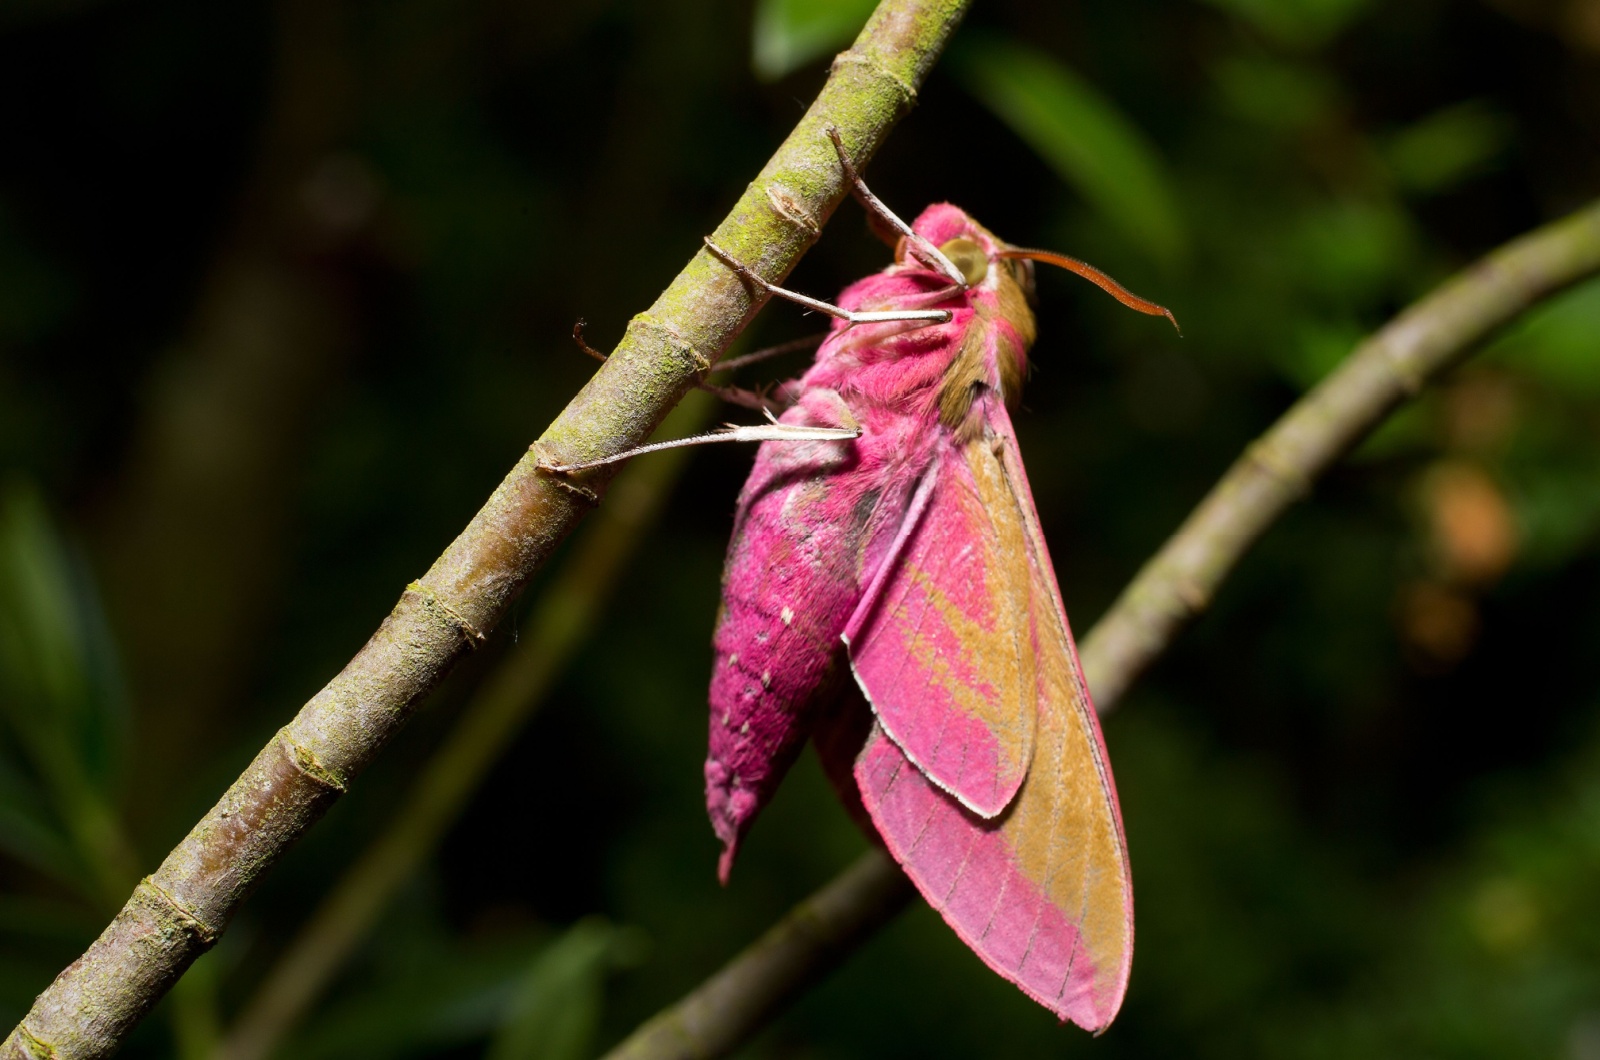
{"x":968,"y":257}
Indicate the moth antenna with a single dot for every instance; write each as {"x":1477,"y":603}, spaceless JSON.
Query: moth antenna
{"x":1096,"y":277}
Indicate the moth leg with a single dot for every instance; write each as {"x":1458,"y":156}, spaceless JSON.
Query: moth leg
{"x":771,"y":431}
{"x":930,"y":316}
{"x":925,"y":251}
{"x":744,"y":360}
{"x":927,"y":298}
{"x":762,"y":399}
{"x":733,"y":395}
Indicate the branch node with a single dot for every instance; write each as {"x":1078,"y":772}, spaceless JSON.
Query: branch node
{"x":649,"y":322}
{"x":907,"y":91}
{"x":1262,"y":455}
{"x":789,"y":208}
{"x":555,"y":471}
{"x":305,"y":762}
{"x":1192,"y":594}
{"x":432,"y":599}
{"x":1406,"y":375}
{"x":182,"y":916}
{"x":36,"y":1048}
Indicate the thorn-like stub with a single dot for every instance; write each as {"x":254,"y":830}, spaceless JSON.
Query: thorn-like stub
{"x":179,"y":914}
{"x":583,"y":344}
{"x":305,"y":763}
{"x":664,"y":331}
{"x":431,"y":599}
{"x":788,"y":206}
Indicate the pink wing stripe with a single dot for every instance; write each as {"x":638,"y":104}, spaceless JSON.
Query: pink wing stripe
{"x":942,"y":646}
{"x":965,"y":868}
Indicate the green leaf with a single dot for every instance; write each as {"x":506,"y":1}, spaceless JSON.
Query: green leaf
{"x":59,"y":684}
{"x":1082,"y":135}
{"x":1298,"y":23}
{"x":1449,"y":146}
{"x":1350,"y":251}
{"x":1555,"y":342}
{"x":788,"y":34}
{"x":28,"y":831}
{"x":556,"y":1008}
{"x":445,"y":995}
{"x":60,"y":705}
{"x":1274,"y":93}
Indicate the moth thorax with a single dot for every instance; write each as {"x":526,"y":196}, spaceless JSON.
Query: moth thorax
{"x":1004,"y":324}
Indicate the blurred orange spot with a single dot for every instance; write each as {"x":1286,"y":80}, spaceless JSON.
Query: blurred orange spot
{"x":1437,"y":624}
{"x":1474,"y":537}
{"x":1580,"y":24}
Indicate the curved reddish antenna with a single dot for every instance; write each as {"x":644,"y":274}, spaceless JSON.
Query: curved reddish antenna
{"x":1096,"y":277}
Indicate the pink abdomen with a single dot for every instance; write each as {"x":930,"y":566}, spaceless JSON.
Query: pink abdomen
{"x":789,"y":586}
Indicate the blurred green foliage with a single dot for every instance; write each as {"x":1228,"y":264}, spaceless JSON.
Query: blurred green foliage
{"x":63,"y":711}
{"x":1081,"y":134}
{"x":1361,"y":794}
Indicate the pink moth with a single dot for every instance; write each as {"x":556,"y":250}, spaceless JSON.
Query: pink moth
{"x":887,"y":531}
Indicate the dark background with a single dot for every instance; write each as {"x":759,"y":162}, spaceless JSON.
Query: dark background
{"x":286,"y":288}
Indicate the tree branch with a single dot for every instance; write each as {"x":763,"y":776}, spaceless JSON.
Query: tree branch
{"x":809,"y":942}
{"x":1390,"y":367}
{"x":1177,"y":584}
{"x":179,"y":911}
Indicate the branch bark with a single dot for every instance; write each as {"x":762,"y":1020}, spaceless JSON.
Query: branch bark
{"x":180,"y":910}
{"x":1174,"y":586}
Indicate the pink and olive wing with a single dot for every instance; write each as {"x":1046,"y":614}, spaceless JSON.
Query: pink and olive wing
{"x":1042,"y":894}
{"x":941,"y":643}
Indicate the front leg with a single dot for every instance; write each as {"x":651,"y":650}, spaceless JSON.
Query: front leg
{"x":926,"y":316}
{"x":771,"y":398}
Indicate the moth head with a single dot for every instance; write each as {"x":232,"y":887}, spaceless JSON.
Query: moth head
{"x":983,"y":259}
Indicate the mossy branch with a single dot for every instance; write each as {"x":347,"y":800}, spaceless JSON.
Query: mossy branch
{"x":1177,"y":584}
{"x":179,"y":911}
